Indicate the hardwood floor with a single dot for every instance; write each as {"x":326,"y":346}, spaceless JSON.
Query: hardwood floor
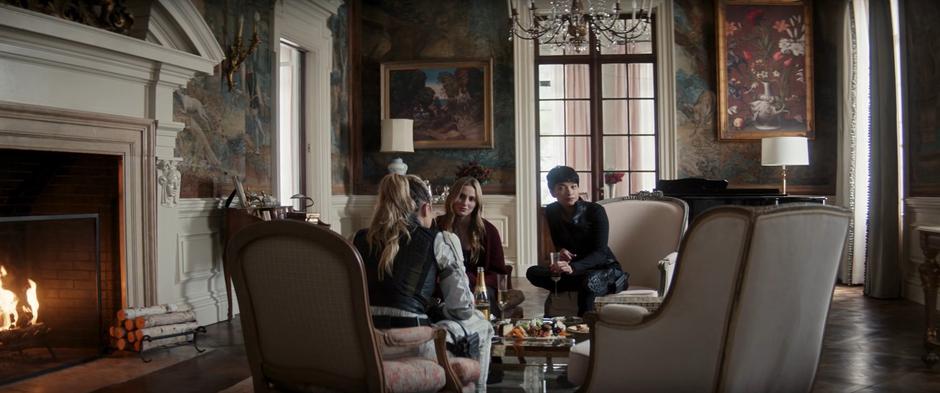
{"x":870,"y":346}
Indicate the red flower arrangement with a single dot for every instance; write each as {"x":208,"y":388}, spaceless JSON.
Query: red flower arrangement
{"x":475,"y":170}
{"x":613,"y":177}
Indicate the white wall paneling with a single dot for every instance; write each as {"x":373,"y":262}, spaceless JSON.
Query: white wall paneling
{"x":355,"y":212}
{"x":918,"y":211}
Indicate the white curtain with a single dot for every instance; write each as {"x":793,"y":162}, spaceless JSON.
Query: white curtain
{"x":853,"y":94}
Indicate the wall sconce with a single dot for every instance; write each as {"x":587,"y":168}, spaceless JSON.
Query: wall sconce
{"x":236,"y":53}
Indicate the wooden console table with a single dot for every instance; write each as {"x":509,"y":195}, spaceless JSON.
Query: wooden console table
{"x":929,"y":278}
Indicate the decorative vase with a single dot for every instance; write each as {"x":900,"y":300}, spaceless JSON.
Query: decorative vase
{"x":766,"y":110}
{"x":398,"y":166}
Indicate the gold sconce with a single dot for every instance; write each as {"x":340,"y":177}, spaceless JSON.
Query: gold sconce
{"x":237,"y":53}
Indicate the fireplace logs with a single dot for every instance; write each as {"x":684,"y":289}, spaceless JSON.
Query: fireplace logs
{"x":141,"y":329}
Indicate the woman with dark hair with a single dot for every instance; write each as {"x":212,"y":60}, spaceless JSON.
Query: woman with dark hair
{"x":579,"y":231}
{"x":405,"y":257}
{"x":479,"y":239}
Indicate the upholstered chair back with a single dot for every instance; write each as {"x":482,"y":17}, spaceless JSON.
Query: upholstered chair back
{"x":687,"y":335}
{"x":746,"y":311}
{"x":776,"y":331}
{"x":302,"y":295}
{"x":643,"y":230}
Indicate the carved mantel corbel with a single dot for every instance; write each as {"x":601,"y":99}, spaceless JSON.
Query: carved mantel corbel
{"x":168,"y":179}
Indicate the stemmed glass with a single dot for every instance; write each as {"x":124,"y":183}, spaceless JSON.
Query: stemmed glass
{"x":556,"y":275}
{"x":502,"y":287}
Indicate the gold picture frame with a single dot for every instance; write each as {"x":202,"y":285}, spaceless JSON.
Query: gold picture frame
{"x":765,"y":69}
{"x":449,"y":101}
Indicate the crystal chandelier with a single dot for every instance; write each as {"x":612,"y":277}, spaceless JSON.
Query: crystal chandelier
{"x":570,"y":25}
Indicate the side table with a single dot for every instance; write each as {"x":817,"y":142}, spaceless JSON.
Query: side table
{"x":929,"y":278}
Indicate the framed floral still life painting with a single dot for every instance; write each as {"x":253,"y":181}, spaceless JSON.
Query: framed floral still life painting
{"x":765,"y":69}
{"x":450,"y":101}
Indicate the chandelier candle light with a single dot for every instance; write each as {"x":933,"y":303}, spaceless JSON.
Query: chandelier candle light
{"x":570,"y":25}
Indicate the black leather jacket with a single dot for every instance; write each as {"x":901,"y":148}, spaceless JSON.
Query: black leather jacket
{"x":414,"y":271}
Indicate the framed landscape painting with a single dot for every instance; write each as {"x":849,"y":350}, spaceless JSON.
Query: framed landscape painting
{"x":765,"y":69}
{"x":450,"y":101}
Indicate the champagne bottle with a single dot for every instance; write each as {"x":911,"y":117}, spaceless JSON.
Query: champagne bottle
{"x":480,"y":297}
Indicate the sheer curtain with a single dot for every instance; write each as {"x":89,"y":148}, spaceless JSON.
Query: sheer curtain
{"x":853,"y":94}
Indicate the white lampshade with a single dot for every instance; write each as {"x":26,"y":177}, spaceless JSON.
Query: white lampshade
{"x":784,"y":150}
{"x":397,"y":135}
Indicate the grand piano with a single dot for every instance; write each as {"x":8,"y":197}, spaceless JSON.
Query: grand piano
{"x":702,"y":194}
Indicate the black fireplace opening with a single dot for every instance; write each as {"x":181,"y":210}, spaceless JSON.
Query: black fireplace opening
{"x":50,"y":293}
{"x":60,"y":246}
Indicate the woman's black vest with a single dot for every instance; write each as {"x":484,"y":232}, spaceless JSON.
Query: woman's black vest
{"x":414,"y":272}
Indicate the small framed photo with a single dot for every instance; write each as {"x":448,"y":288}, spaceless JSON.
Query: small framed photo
{"x":240,"y":190}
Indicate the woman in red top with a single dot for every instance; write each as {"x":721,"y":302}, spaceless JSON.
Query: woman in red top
{"x":479,"y":239}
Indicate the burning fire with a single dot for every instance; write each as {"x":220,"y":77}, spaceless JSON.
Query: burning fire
{"x":9,"y":317}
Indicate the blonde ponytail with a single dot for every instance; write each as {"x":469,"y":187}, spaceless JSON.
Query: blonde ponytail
{"x":395,"y":213}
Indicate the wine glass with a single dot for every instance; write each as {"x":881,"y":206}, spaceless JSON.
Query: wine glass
{"x":502,"y":287}
{"x":556,"y":275}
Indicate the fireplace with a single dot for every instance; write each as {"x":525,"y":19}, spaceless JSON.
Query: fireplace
{"x":60,"y":258}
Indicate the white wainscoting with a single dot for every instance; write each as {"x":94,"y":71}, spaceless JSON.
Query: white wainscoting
{"x":918,"y":212}
{"x":190,"y":267}
{"x":354,"y":212}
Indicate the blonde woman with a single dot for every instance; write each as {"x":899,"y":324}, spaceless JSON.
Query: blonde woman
{"x":405,"y":257}
{"x":480,"y":241}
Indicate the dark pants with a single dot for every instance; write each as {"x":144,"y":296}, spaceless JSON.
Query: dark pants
{"x":541,"y":277}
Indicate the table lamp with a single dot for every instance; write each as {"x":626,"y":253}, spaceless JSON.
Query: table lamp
{"x":397,"y":137}
{"x":783,"y":151}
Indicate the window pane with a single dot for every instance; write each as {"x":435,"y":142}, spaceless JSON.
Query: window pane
{"x":615,"y":117}
{"x":642,"y":153}
{"x":551,"y":152}
{"x":578,"y":153}
{"x":577,"y":117}
{"x":643,"y":181}
{"x":640,"y":80}
{"x":289,"y":141}
{"x":616,"y":153}
{"x":614,"y":80}
{"x":577,"y":81}
{"x":551,"y":117}
{"x":640,"y":45}
{"x":642,"y":116}
{"x":551,"y":81}
{"x":586,"y":185}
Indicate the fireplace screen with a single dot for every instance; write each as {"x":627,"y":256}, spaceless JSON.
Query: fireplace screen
{"x":50,"y":293}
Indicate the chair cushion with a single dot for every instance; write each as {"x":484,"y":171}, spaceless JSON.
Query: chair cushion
{"x":467,"y":370}
{"x":413,"y":375}
{"x":579,"y":359}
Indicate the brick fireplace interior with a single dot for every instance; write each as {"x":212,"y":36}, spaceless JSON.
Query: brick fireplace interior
{"x":38,"y":188}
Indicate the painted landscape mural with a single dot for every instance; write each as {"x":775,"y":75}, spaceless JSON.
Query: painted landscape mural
{"x":229,"y":133}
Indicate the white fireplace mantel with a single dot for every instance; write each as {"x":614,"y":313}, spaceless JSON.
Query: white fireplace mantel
{"x":50,"y":65}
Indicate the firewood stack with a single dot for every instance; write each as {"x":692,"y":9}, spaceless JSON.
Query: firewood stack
{"x":134,"y":323}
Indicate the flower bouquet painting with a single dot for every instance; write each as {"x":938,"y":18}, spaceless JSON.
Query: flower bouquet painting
{"x":765,"y":69}
{"x":475,"y":170}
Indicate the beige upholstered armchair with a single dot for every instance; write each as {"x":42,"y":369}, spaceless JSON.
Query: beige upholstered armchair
{"x":746,"y":312}
{"x":644,"y":229}
{"x":305,"y":317}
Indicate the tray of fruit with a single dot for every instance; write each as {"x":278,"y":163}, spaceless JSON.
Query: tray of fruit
{"x":532,"y":328}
